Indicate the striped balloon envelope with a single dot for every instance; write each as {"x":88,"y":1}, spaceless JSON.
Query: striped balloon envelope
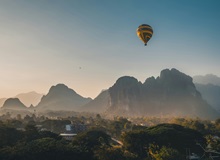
{"x":144,"y":32}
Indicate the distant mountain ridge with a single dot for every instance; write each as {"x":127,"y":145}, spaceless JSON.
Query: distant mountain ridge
{"x":211,"y":93}
{"x":209,"y":87}
{"x":28,"y":99}
{"x":207,"y":79}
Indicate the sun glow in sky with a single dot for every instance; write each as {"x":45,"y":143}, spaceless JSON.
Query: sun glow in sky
{"x":88,"y":45}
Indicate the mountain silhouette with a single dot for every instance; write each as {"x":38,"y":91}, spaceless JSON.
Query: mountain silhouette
{"x":209,"y":87}
{"x":2,"y":101}
{"x":30,"y":98}
{"x":211,"y":93}
{"x":207,"y":79}
{"x":171,"y":94}
{"x":99,"y":104}
{"x":60,"y":97}
{"x":14,"y":104}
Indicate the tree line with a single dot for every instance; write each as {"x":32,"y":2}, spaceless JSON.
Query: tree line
{"x":20,"y":138}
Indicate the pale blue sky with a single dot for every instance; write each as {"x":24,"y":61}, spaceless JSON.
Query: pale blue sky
{"x":89,"y":44}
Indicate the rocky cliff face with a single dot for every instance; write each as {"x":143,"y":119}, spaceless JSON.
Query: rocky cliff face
{"x":171,"y":94}
{"x":125,"y":95}
{"x":174,"y":93}
{"x":60,"y":97}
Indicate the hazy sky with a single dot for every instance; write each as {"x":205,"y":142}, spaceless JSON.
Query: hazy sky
{"x":89,"y":44}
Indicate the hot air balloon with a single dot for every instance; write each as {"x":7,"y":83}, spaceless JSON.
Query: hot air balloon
{"x":144,"y":32}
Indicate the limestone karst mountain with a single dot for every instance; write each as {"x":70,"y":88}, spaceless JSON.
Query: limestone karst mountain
{"x":171,"y":94}
{"x":14,"y":104}
{"x":99,"y":104}
{"x":60,"y":97}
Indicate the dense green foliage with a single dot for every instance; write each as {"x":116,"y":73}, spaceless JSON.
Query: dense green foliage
{"x":35,"y":138}
{"x":9,"y":136}
{"x":173,"y":136}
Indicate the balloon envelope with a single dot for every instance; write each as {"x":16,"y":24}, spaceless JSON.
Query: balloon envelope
{"x":144,"y":32}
